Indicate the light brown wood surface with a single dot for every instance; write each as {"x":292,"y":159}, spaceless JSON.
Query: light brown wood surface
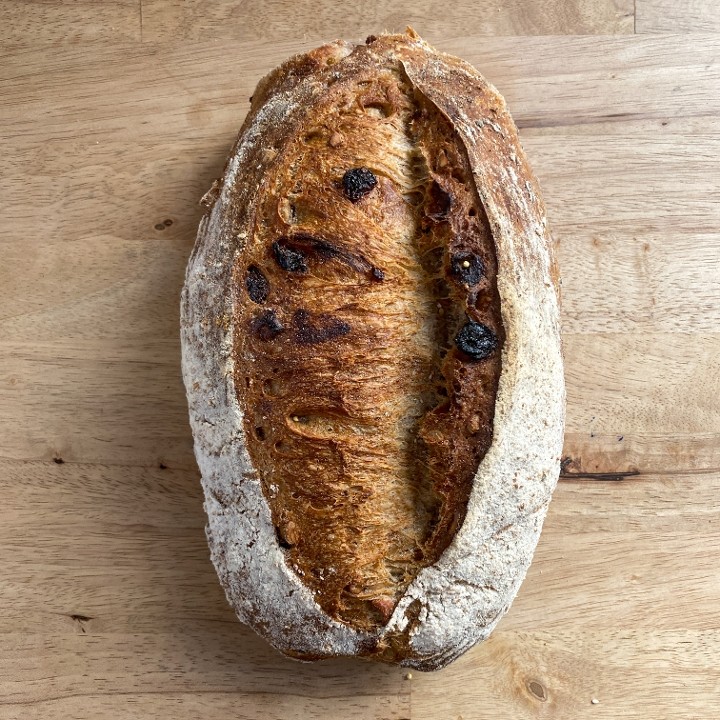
{"x":674,"y":16}
{"x":109,"y":606}
{"x":278,"y":19}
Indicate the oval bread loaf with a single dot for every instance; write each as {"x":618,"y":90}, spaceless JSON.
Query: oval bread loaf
{"x":371,"y":351}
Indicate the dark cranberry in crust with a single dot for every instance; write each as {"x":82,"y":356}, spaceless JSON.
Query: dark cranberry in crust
{"x":357,"y":183}
{"x":476,"y":340}
{"x":257,"y":285}
{"x":314,"y":330}
{"x":266,"y":326}
{"x":288,"y":258}
{"x":467,"y":268}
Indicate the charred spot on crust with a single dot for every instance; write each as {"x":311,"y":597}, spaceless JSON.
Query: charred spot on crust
{"x":281,"y":539}
{"x":377,"y":274}
{"x":288,"y":258}
{"x":467,"y":268}
{"x":322,"y":248}
{"x":306,"y":247}
{"x":320,"y":329}
{"x":370,"y":39}
{"x":440,"y":203}
{"x":266,"y":325}
{"x":257,"y":285}
{"x":357,"y":183}
{"x":476,"y":340}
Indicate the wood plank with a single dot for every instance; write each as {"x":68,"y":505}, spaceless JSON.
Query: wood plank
{"x":112,"y":596}
{"x":54,"y":673}
{"x":636,"y":402}
{"x":120,"y":604}
{"x":598,"y":615}
{"x":621,"y":554}
{"x":644,"y":403}
{"x":547,"y":81}
{"x":118,"y":400}
{"x":124,"y":548}
{"x":193,"y":705}
{"x":643,"y":178}
{"x":632,"y":674}
{"x":323,"y":21}
{"x":231,"y":659}
{"x":673,"y":16}
{"x":36,"y":23}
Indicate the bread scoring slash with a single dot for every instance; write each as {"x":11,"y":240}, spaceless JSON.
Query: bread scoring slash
{"x":371,"y":351}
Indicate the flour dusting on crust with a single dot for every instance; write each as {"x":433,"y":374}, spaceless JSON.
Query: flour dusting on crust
{"x":457,"y":601}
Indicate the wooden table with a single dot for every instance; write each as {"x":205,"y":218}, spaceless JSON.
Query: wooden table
{"x":114,"y":118}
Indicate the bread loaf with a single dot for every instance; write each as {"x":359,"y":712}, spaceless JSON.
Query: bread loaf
{"x":371,"y":350}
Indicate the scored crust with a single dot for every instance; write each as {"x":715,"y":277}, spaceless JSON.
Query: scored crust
{"x":370,"y":296}
{"x":458,"y":556}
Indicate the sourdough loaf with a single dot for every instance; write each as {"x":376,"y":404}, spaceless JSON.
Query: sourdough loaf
{"x":371,"y":351}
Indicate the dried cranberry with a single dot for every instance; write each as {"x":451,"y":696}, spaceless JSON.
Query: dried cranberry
{"x":467,"y":268}
{"x":357,"y":183}
{"x":312,"y":330}
{"x":257,"y":285}
{"x":476,"y":340}
{"x":288,"y":258}
{"x":266,"y":325}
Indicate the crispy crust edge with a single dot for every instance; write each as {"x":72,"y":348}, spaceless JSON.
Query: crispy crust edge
{"x":456,"y":602}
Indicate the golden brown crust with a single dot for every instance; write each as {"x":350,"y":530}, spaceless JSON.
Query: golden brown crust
{"x":369,"y":252}
{"x":239,"y":302}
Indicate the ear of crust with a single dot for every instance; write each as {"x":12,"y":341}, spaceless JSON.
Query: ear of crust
{"x":457,"y":601}
{"x":465,"y":594}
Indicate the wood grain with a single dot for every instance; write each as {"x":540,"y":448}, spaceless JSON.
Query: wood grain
{"x":109,"y":607}
{"x":655,"y":391}
{"x":634,"y":674}
{"x":672,"y":16}
{"x":37,"y":22}
{"x":202,"y":704}
{"x":322,"y":21}
{"x":150,"y":622}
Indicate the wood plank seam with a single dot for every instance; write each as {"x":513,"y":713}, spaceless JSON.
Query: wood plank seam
{"x":609,"y":475}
